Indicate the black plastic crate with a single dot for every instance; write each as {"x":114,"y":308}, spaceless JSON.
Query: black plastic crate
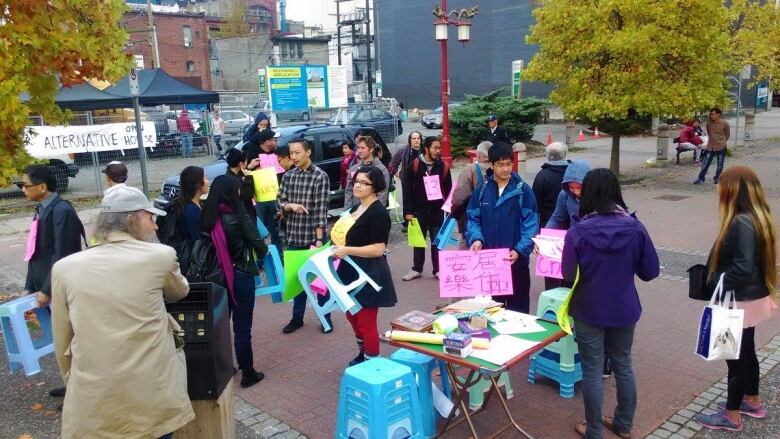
{"x":204,"y":319}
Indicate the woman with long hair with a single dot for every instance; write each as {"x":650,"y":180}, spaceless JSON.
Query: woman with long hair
{"x":239,"y":247}
{"x":745,"y":254}
{"x":606,"y":247}
{"x":193,"y":184}
{"x":366,"y":242}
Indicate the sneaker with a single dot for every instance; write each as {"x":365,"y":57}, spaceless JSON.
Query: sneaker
{"x":252,"y":378}
{"x":719,"y":421}
{"x":357,"y":360}
{"x":607,"y":372}
{"x":746,"y":408}
{"x":293,"y":326}
{"x":698,"y":182}
{"x":411,"y":275}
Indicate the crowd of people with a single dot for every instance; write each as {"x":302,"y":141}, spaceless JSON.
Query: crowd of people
{"x":124,"y":370}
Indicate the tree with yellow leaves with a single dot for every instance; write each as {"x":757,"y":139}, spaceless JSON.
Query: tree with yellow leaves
{"x":45,"y":44}
{"x":612,"y":61}
{"x":755,"y":32}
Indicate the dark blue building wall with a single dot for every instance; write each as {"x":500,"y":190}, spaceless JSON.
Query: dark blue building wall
{"x":411,"y":58}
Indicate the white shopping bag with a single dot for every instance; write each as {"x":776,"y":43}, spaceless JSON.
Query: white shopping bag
{"x":720,"y":328}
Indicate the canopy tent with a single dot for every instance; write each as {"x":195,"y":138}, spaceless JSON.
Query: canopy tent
{"x":85,"y":97}
{"x":158,"y":88}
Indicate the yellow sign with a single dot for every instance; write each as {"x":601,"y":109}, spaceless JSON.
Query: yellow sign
{"x":266,"y":185}
{"x":284,"y":72}
{"x":338,"y":234}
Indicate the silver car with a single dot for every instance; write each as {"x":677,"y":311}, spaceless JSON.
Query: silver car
{"x":235,"y":121}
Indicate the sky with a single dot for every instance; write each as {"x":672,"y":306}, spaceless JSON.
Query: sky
{"x":320,"y":12}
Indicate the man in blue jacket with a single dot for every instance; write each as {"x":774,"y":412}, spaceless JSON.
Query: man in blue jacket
{"x":502,"y":214}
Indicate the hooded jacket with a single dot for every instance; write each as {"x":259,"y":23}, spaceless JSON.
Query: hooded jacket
{"x":251,"y":134}
{"x":609,"y":250}
{"x":547,"y":186}
{"x":567,"y":205}
{"x":506,"y":221}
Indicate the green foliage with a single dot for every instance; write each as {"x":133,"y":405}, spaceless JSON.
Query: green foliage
{"x":45,"y":43}
{"x":612,"y":61}
{"x":468,"y":120}
{"x":236,"y":25}
{"x":755,"y":39}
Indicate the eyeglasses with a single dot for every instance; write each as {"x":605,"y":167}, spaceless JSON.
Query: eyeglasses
{"x":362,"y":183}
{"x":20,"y":184}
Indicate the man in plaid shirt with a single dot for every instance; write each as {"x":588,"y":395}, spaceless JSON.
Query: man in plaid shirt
{"x":303,"y":199}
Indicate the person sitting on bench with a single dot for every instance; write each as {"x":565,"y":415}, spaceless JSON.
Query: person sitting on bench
{"x":689,"y":140}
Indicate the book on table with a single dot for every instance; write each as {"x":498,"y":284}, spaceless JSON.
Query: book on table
{"x":416,"y":321}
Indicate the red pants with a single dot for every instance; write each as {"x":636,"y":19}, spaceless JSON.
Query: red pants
{"x":365,"y":326}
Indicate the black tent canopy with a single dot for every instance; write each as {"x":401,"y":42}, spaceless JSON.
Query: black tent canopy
{"x":158,"y":88}
{"x":85,"y":97}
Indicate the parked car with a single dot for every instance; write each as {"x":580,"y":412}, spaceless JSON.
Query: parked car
{"x":327,"y":154}
{"x":301,"y":114}
{"x":63,"y":166}
{"x":387,"y":125}
{"x":235,"y":121}
{"x":434,"y":118}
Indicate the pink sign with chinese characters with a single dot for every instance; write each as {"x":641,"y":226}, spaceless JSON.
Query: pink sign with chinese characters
{"x":271,"y":161}
{"x":466,"y":273}
{"x":31,"y":237}
{"x":548,"y":259}
{"x":432,"y":187}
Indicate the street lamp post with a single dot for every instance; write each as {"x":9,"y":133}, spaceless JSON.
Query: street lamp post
{"x":441,"y":28}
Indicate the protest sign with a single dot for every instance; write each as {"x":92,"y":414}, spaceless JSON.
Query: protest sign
{"x":49,"y":141}
{"x":432,"y":187}
{"x":338,"y":234}
{"x":270,"y":161}
{"x":466,"y":273}
{"x":447,"y":207}
{"x":548,"y":260}
{"x":266,"y":185}
{"x":293,"y":261}
{"x":415,"y":235}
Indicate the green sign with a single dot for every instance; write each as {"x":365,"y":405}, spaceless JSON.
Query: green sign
{"x":517,"y":78}
{"x":263,"y":83}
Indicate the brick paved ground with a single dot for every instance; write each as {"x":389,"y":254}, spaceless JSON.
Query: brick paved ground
{"x":303,"y":369}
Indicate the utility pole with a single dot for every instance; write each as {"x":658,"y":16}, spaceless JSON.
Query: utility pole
{"x":368,"y":51}
{"x":338,"y":30}
{"x":153,"y":30}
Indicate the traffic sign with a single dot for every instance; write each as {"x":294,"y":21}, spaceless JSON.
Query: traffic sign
{"x":134,"y":88}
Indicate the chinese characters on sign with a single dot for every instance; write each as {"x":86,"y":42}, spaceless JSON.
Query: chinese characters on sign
{"x":447,"y":207}
{"x":466,"y":273}
{"x":548,"y":260}
{"x":432,"y":187}
{"x":266,"y":185}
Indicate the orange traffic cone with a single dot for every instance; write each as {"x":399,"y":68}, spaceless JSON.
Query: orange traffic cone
{"x":549,"y":138}
{"x":581,"y":137}
{"x":596,"y":134}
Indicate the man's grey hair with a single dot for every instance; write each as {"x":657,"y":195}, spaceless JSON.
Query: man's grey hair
{"x":556,"y":151}
{"x":122,"y":222}
{"x":484,"y":147}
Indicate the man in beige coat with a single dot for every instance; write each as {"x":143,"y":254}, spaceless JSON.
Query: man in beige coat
{"x":114,"y":340}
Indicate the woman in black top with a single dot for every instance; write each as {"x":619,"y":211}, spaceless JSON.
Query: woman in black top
{"x":745,"y":254}
{"x":238,"y":246}
{"x":236,"y":161}
{"x":366,"y":242}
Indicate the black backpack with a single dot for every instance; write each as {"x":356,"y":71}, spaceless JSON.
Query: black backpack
{"x":168,"y":233}
{"x":204,"y":265}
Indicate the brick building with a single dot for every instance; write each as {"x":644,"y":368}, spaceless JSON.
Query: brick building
{"x":182,"y":39}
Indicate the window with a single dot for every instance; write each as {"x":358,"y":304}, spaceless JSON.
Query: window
{"x":187,"y":31}
{"x":299,"y":46}
{"x":331,"y":145}
{"x":190,"y":66}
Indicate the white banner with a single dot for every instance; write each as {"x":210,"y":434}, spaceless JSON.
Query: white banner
{"x":48,"y":141}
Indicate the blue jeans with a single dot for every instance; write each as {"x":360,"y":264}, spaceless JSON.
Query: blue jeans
{"x":218,"y":142}
{"x":186,"y":144}
{"x":244,"y":291}
{"x":707,"y":161}
{"x":299,"y":302}
{"x":591,"y":342}
{"x":266,"y":211}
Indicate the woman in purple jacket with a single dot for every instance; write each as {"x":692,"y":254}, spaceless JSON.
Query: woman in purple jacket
{"x":609,"y":246}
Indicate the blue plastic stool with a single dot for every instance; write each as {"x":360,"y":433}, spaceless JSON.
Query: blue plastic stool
{"x":558,"y":361}
{"x":444,"y":239}
{"x":422,"y":366}
{"x":477,"y":391}
{"x":22,"y":350}
{"x":274,"y":273}
{"x":378,"y":400}
{"x":262,"y":229}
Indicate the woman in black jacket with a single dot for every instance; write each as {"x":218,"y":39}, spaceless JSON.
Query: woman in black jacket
{"x":744,"y":253}
{"x":239,"y":247}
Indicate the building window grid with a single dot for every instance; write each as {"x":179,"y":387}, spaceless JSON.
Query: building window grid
{"x":187,"y":32}
{"x":190,"y":66}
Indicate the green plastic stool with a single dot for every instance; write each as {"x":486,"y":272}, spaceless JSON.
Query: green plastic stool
{"x":477,"y":391}
{"x":566,"y":348}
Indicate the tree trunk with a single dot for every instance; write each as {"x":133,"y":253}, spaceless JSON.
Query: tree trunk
{"x":614,"y":159}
